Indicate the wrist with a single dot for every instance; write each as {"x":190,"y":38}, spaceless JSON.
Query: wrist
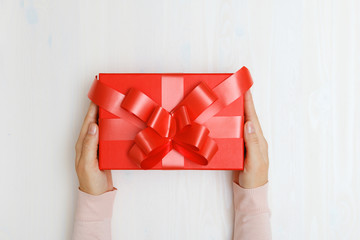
{"x":93,"y":192}
{"x":249,"y":182}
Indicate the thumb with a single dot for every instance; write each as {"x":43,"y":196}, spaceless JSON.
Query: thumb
{"x":251,"y":141}
{"x":90,"y":144}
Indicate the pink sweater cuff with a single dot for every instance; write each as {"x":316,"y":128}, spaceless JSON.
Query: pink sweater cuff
{"x":252,"y":213}
{"x":252,"y":200}
{"x":94,"y":208}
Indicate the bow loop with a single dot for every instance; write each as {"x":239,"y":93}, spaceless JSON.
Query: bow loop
{"x":199,"y":99}
{"x":148,"y":147}
{"x":203,"y":156}
{"x":162,"y":122}
{"x":139,"y":104}
{"x":149,"y":140}
{"x":181,"y":117}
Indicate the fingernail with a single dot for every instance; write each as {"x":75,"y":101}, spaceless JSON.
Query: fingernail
{"x":92,"y":129}
{"x":250,"y":127}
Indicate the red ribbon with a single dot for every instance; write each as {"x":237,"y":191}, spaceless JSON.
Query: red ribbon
{"x":179,"y":129}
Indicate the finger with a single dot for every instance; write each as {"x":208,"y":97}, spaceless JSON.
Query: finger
{"x":252,"y":142}
{"x":91,"y":116}
{"x":250,"y":113}
{"x":90,"y":145}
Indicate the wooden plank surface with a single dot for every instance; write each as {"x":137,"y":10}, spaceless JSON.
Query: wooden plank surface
{"x":304,"y":56}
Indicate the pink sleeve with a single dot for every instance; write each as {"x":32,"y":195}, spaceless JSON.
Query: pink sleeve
{"x":93,"y":216}
{"x":252,"y":213}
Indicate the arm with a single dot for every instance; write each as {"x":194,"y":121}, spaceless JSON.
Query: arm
{"x":252,"y":213}
{"x":93,"y":216}
{"x":96,"y":192}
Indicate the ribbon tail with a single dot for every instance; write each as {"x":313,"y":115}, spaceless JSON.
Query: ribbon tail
{"x":227,"y":92}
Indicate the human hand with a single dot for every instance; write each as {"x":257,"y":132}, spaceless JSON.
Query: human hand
{"x":91,"y":179}
{"x":256,"y":164}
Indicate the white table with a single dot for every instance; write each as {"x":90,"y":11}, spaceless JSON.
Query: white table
{"x":304,"y":58}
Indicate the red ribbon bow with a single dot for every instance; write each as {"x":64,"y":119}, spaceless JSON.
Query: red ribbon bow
{"x":175,"y":130}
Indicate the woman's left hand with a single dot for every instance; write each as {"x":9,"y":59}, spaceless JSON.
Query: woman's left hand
{"x":91,"y":179}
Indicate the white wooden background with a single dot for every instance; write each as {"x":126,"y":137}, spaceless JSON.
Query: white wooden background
{"x":305,"y":59}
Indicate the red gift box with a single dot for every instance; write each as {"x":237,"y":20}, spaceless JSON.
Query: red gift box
{"x":171,"y":121}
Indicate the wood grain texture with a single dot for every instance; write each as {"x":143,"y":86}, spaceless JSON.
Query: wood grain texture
{"x":304,"y":56}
